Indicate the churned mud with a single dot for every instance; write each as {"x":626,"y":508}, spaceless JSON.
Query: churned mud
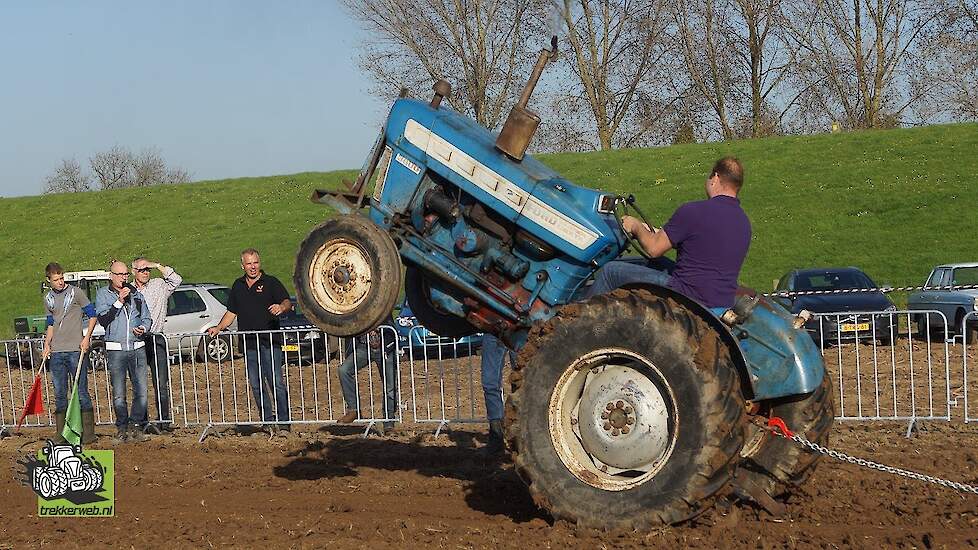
{"x":333,"y":487}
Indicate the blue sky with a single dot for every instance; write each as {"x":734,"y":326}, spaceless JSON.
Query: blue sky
{"x":221,"y":88}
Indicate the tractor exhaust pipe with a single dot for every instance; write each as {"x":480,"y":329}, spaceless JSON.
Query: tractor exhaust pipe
{"x":522,"y":123}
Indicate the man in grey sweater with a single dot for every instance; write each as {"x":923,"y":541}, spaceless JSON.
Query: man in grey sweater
{"x":157,"y":292}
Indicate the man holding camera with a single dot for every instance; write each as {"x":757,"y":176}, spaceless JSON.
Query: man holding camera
{"x":122,"y":310}
{"x":157,"y":291}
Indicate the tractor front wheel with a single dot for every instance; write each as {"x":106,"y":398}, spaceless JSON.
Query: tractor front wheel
{"x":627,"y":413}
{"x":418,"y":293}
{"x":347,"y":275}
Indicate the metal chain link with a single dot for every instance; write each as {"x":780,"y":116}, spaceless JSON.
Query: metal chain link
{"x":963,"y":487}
{"x":788,"y":293}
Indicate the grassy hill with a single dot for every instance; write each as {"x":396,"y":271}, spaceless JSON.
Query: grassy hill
{"x":893,"y":202}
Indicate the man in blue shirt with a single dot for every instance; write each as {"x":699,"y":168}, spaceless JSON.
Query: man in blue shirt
{"x":711,"y":238}
{"x":122,"y":310}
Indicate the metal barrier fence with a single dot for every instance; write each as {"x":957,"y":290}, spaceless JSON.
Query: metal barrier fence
{"x":230,"y":379}
{"x":894,"y":365}
{"x":897,"y":365}
{"x":444,"y":388}
{"x":969,"y":343}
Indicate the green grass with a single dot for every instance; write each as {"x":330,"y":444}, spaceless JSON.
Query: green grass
{"x":892,"y":202}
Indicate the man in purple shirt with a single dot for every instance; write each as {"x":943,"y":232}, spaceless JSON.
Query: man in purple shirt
{"x":711,"y":239}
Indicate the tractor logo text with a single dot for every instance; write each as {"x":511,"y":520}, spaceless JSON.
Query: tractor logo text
{"x":71,"y":482}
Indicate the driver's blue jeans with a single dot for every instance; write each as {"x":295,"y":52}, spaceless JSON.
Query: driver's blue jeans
{"x":617,"y":274}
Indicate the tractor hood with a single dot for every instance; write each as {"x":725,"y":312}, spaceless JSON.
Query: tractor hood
{"x":526,"y":192}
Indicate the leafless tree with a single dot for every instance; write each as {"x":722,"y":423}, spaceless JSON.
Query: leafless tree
{"x":113,"y":168}
{"x":483,"y":47}
{"x":948,"y":68}
{"x":68,"y":178}
{"x":705,"y":38}
{"x":616,"y":48}
{"x":767,"y":58}
{"x":177,"y":175}
{"x":854,"y":56}
{"x":148,"y":169}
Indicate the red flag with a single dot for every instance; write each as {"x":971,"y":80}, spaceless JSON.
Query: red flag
{"x":34,"y":403}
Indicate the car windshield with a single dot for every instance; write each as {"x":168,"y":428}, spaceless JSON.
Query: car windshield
{"x":965,"y":276}
{"x":219,"y":294}
{"x":833,"y":280}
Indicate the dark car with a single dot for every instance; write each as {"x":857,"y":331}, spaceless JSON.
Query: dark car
{"x":303,"y":342}
{"x":414,"y":338}
{"x":837,"y":324}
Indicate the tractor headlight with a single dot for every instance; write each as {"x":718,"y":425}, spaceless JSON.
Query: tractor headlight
{"x":890,"y":308}
{"x":606,"y":204}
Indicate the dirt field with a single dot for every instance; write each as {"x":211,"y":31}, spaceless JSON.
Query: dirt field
{"x":335,"y":488}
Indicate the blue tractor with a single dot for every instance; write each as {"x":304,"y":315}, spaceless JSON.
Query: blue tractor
{"x":629,"y":410}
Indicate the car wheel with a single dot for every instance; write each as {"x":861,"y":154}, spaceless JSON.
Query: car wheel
{"x":214,"y":349}
{"x":97,"y":359}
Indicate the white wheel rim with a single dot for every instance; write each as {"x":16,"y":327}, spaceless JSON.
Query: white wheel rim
{"x":340,"y":276}
{"x":613,"y":426}
{"x":217,"y":349}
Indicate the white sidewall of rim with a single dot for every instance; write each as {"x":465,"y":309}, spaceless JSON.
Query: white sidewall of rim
{"x":569,"y":449}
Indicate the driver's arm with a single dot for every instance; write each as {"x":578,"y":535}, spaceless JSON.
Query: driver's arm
{"x":654,"y":242}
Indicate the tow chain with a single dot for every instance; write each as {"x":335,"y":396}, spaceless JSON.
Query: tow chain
{"x":788,"y":293}
{"x":777,"y":426}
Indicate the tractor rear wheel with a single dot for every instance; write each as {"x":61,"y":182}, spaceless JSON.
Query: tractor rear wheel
{"x":418,"y":293}
{"x":347,"y":275}
{"x":774,"y":464}
{"x":626,"y":413}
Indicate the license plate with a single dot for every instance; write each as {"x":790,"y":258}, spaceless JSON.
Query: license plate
{"x":851,"y":327}
{"x":290,"y":347}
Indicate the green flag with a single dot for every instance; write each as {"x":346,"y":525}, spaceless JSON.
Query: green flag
{"x":73,"y":422}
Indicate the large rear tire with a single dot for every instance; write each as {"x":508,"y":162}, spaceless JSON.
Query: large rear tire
{"x":347,"y":275}
{"x":776,"y":465}
{"x":418,"y":293}
{"x":626,"y":413}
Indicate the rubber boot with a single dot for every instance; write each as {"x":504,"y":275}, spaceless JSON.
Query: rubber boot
{"x":88,"y":427}
{"x":496,"y":445}
{"x":59,"y":425}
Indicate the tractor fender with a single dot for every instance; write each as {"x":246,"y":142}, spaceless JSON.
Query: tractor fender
{"x":773,"y":358}
{"x":725,"y":336}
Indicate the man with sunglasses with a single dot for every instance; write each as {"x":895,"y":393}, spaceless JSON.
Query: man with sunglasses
{"x":157,"y":291}
{"x":711,"y":238}
{"x":122,"y":310}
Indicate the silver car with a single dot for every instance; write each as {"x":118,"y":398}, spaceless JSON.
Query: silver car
{"x":954,"y":304}
{"x":192,"y":308}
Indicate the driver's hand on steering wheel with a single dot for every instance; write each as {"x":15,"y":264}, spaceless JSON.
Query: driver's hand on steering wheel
{"x":630,"y":225}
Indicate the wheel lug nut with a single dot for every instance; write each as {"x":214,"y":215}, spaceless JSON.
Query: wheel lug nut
{"x":628,"y":410}
{"x":625,"y":429}
{"x":607,"y":425}
{"x":610,"y":406}
{"x":620,"y":404}
{"x":615,"y":432}
{"x":573,"y":422}
{"x":629,"y":420}
{"x":604,"y":416}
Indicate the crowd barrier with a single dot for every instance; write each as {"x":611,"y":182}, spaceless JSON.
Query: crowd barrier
{"x":897,"y":365}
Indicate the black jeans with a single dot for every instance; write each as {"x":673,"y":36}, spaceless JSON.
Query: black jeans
{"x":159,"y":370}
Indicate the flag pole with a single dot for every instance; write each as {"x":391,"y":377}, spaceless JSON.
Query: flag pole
{"x":73,"y":403}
